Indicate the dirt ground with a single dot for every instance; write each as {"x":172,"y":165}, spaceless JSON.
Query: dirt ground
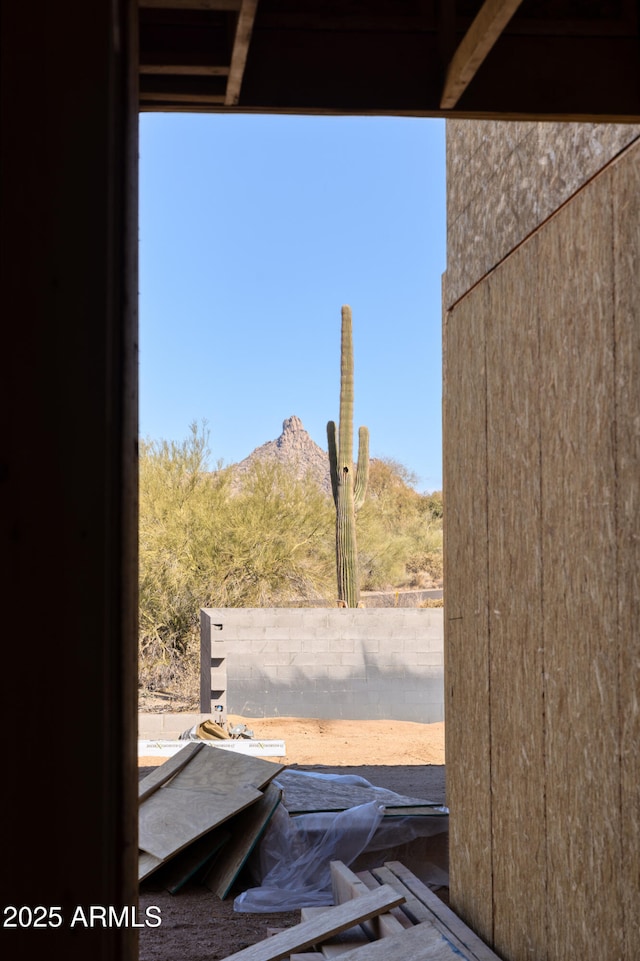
{"x":402,"y":756}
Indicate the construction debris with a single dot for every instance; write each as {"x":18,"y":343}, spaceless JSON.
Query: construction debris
{"x":208,"y":730}
{"x":206,"y":814}
{"x":386,"y":914}
{"x":187,"y":799}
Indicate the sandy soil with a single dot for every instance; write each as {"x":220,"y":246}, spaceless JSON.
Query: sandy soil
{"x":405,"y":757}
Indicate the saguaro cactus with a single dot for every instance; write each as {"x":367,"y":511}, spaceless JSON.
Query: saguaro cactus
{"x":349,"y":486}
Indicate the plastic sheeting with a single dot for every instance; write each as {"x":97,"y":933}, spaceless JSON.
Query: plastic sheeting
{"x":291,"y":865}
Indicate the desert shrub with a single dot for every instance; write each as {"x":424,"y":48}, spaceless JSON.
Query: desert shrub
{"x":399,"y":535}
{"x":180,"y":504}
{"x":200,"y":545}
{"x":270,"y":544}
{"x":276,"y":540}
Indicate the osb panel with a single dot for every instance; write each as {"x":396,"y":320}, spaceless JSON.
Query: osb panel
{"x":476,"y":149}
{"x":466,"y":638}
{"x":582,"y":709}
{"x":515,"y":608}
{"x":626,"y":214}
{"x":570,"y":153}
{"x":505,"y":178}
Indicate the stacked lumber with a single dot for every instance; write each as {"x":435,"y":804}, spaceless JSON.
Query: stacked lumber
{"x":201,"y":813}
{"x":386,"y":914}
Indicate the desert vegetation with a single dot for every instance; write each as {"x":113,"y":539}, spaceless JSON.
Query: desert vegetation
{"x":269,"y":544}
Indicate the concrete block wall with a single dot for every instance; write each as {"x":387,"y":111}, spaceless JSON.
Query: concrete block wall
{"x":359,"y":664}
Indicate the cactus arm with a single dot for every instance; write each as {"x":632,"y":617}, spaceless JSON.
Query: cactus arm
{"x":333,"y":459}
{"x":362,"y":470}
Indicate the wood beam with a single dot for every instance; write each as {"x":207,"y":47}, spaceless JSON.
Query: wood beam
{"x":183,"y":70}
{"x":241,"y":43}
{"x":485,"y":29}
{"x":230,"y":5}
{"x":158,"y":96}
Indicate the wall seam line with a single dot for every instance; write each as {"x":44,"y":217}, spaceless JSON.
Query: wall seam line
{"x":614,"y":159}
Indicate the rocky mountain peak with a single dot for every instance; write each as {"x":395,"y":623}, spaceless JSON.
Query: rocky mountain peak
{"x":295,"y":450}
{"x":290,"y":426}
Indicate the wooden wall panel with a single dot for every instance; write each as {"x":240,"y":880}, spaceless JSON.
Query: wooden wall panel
{"x":626,"y":212}
{"x":515,"y":609}
{"x":467,"y":708}
{"x":583,"y":823}
{"x":504,"y":179}
{"x":542,"y":581}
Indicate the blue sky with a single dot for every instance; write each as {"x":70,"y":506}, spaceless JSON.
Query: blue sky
{"x":254,"y":231}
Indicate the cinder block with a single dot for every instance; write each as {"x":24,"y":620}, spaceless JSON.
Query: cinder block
{"x":354,"y":662}
{"x":276,"y":658}
{"x":429,"y":658}
{"x":287,"y":674}
{"x":320,"y":661}
{"x":318,"y":645}
{"x":341,"y":645}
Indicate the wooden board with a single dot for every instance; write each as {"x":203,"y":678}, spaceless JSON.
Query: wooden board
{"x":398,"y":919}
{"x":318,"y":929}
{"x":466,"y":639}
{"x":443,"y":918}
{"x":164,"y":772}
{"x":516,"y":678}
{"x":193,"y":859}
{"x":335,"y":948}
{"x":245,"y":831}
{"x":147,"y":864}
{"x":414,"y":909}
{"x":338,"y":943}
{"x":219,"y":772}
{"x":626,"y":219}
{"x":345,"y":884}
{"x":483,"y":33}
{"x":306,"y":795}
{"x":420,"y":942}
{"x":170,"y":819}
{"x":579,"y":609}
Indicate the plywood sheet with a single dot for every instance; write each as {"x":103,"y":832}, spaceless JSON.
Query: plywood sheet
{"x":245,"y":831}
{"x":304,"y":795}
{"x":515,"y":606}
{"x":172,"y":818}
{"x":147,"y":864}
{"x":582,"y":706}
{"x":167,"y":770}
{"x":193,"y":859}
{"x":219,"y":771}
{"x":466,"y":641}
{"x":626,"y":248}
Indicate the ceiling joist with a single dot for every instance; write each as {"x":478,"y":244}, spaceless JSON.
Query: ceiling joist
{"x":203,"y":57}
{"x":485,"y":29}
{"x":244,"y":28}
{"x":230,"y":6}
